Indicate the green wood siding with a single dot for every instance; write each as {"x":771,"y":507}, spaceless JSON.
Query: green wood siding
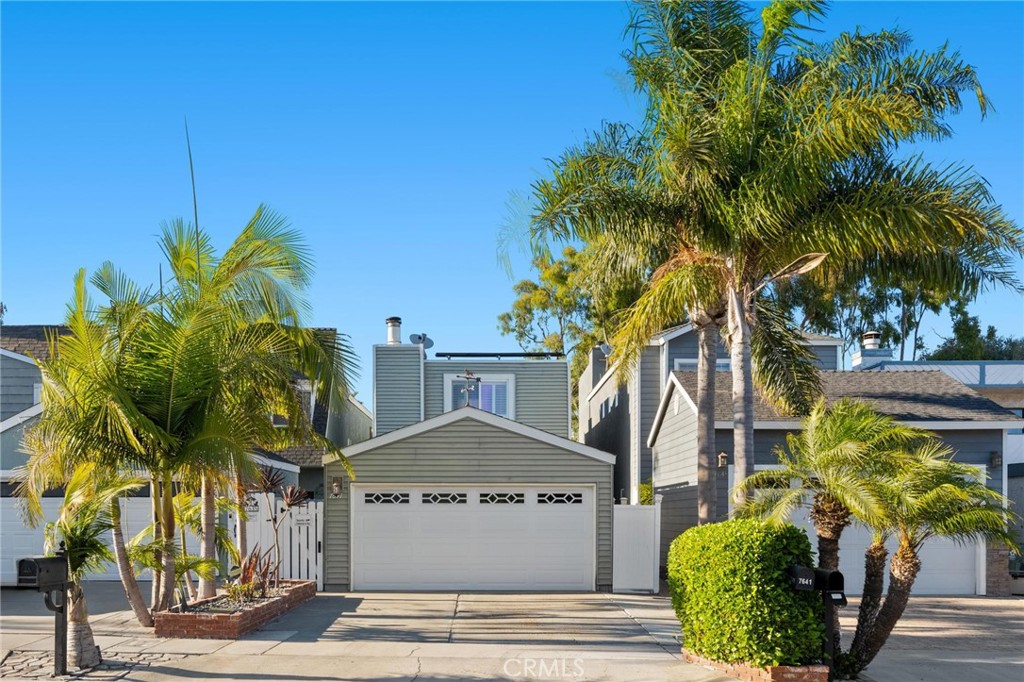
{"x":397,"y":393}
{"x":467,"y":452}
{"x":542,"y":389}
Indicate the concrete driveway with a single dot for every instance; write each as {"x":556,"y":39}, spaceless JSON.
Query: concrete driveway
{"x":396,"y":637}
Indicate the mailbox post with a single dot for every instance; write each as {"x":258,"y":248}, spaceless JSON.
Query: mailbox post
{"x":49,"y":575}
{"x":833,"y":595}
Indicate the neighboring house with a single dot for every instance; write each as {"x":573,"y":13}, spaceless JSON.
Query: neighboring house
{"x":617,"y":417}
{"x":1001,"y":381}
{"x":471,"y":480}
{"x":974,"y":426}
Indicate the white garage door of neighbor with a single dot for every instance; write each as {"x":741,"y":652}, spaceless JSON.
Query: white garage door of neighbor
{"x":441,"y":537}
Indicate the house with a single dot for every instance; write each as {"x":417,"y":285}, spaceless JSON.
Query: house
{"x":617,"y":417}
{"x":471,"y":480}
{"x":1002,"y":381}
{"x":974,"y":426}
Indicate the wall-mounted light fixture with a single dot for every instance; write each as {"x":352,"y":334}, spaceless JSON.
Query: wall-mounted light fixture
{"x":336,"y":486}
{"x":723,"y":459}
{"x":995,"y":460}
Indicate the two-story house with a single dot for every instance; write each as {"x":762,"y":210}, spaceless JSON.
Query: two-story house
{"x":617,"y":416}
{"x":471,"y":480}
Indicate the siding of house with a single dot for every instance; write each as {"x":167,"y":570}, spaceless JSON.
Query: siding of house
{"x":651,"y":383}
{"x":467,"y":452}
{"x":17,"y":382}
{"x":611,"y":432}
{"x":542,"y":389}
{"x":675,"y":472}
{"x":10,"y":445}
{"x":397,"y":373}
{"x":828,"y":357}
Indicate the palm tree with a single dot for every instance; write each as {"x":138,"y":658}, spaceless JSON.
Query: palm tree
{"x":180,"y":386}
{"x":764,"y":157}
{"x":923,"y":495}
{"x":825,"y":467}
{"x":84,"y":519}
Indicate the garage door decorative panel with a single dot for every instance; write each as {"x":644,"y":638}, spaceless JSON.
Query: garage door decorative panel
{"x":481,"y":538}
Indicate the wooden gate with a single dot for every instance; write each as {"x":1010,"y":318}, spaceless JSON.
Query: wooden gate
{"x":301,"y":535}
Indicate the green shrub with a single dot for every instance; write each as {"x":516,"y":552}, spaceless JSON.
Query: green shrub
{"x":646,"y":493}
{"x":732,"y":594}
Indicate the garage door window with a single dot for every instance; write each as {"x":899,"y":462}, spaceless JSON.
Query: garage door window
{"x":560,"y":498}
{"x":502,"y":498}
{"x":444,"y":498}
{"x":386,"y":498}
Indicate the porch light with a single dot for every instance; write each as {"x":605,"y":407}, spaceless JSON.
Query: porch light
{"x":723,"y":459}
{"x":995,"y":460}
{"x":336,"y":486}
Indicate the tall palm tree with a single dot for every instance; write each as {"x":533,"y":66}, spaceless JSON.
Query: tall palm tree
{"x":180,"y":386}
{"x":766,"y":156}
{"x":923,"y":495}
{"x":84,"y":519}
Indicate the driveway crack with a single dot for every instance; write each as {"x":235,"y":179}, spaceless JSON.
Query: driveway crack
{"x":455,"y":614}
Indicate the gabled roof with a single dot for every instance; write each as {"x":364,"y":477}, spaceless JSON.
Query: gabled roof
{"x":21,"y":417}
{"x":930,"y":398}
{"x":29,"y":339}
{"x":478,"y":415}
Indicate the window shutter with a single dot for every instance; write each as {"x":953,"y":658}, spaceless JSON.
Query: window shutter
{"x":500,"y":399}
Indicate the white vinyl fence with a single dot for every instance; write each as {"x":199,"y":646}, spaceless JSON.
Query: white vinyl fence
{"x":301,"y":536}
{"x":636,"y":545}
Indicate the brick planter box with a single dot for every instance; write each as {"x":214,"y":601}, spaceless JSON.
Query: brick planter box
{"x":774,"y":673}
{"x":191,"y":625}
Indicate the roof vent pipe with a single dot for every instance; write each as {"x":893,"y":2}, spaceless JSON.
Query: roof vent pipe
{"x":871,"y":340}
{"x":394,"y":330}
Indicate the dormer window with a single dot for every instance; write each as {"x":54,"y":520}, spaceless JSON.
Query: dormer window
{"x":494,"y":393}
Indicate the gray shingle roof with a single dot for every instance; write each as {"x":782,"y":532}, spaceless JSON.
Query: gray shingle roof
{"x":908,"y":396}
{"x":29,"y":339}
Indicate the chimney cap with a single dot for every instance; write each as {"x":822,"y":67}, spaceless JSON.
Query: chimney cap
{"x":393,"y":320}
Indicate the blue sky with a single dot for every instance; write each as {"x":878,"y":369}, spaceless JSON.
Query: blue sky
{"x":390,"y":134}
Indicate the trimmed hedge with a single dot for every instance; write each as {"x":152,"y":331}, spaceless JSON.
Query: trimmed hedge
{"x":732,"y":594}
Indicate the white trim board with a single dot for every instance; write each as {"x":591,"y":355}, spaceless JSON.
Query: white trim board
{"x":17,"y":356}
{"x":24,"y":415}
{"x":484,"y":418}
{"x":937,"y":425}
{"x":670,"y":385}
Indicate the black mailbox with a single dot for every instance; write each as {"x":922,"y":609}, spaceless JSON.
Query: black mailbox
{"x":832,"y":585}
{"x":44,"y":573}
{"x":802,"y":578}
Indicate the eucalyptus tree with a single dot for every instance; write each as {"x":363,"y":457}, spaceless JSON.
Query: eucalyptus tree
{"x":185,"y":391}
{"x":766,"y":156}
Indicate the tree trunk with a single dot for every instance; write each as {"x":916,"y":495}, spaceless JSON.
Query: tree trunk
{"x":167,"y":520}
{"x":742,"y":394}
{"x":830,"y":519}
{"x":871,"y":598}
{"x":707,"y":490}
{"x":125,"y":569}
{"x":208,"y":586}
{"x":82,"y":649}
{"x":157,"y":587}
{"x":903,"y":570}
{"x":241,"y":531}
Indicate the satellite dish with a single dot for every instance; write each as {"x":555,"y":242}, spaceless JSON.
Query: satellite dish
{"x":606,"y":349}
{"x":421,"y":339}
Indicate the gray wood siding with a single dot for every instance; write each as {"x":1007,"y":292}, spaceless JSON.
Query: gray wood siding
{"x":466,"y":452}
{"x":611,"y":432}
{"x":11,"y":455}
{"x":827,"y":357}
{"x":675,"y":451}
{"x":396,"y":386}
{"x":17,"y":379}
{"x":685,"y":347}
{"x":651,"y":384}
{"x":542,"y":389}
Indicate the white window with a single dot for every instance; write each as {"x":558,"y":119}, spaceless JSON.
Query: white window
{"x":494,"y":393}
{"x":690,"y":365}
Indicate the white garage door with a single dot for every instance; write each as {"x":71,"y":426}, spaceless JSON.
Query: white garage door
{"x":472,"y":538}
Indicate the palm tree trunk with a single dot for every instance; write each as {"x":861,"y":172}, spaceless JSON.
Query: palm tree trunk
{"x":187,"y":577}
{"x":241,"y":529}
{"x":903,"y":570}
{"x":125,"y":570}
{"x":208,"y":586}
{"x":742,"y":394}
{"x":157,"y":587}
{"x":707,"y":494}
{"x":82,"y":649}
{"x":871,"y":598}
{"x":167,"y":594}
